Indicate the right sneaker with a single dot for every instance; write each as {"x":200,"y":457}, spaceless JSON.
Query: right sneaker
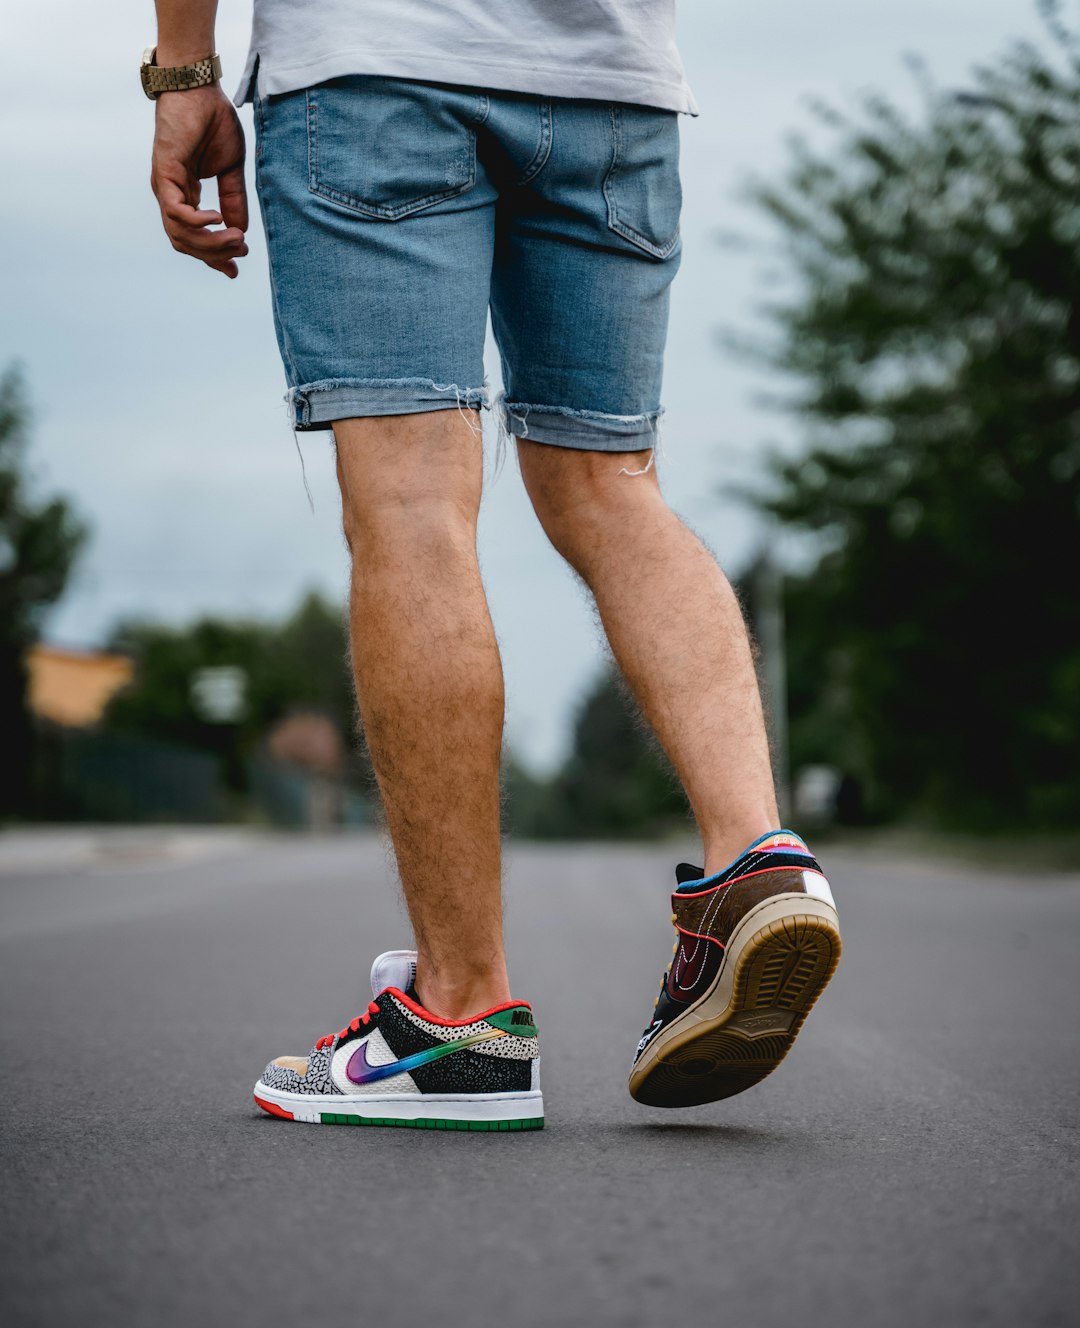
{"x":399,"y":1064}
{"x":755,"y":946}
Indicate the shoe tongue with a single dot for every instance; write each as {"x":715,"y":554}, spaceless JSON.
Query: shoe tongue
{"x":395,"y":968}
{"x":686,"y":871}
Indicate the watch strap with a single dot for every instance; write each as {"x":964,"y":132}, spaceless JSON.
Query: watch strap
{"x":179,"y":78}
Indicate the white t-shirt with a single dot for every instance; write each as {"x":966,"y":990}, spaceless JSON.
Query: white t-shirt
{"x":614,"y":50}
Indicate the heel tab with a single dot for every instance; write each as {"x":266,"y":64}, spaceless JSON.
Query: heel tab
{"x":516,"y":1019}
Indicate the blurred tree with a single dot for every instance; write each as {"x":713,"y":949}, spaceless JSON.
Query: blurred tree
{"x":934,"y":336}
{"x":301,"y":663}
{"x":615,"y":781}
{"x":38,"y":547}
{"x":526,"y":799}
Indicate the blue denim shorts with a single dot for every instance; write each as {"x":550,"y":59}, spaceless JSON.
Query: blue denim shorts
{"x":398,"y":213}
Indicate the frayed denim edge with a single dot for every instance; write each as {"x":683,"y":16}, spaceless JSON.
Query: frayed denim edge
{"x":465,"y":398}
{"x":506,"y":411}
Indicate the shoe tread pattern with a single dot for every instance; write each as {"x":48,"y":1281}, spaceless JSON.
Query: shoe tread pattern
{"x":781,"y":970}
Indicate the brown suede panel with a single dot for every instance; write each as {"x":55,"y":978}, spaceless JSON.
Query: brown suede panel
{"x":719,"y":912}
{"x":297,"y":1063}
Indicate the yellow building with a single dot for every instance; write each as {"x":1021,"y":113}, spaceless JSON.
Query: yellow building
{"x":73,"y":687}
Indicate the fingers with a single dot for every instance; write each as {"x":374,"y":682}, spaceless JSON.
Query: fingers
{"x":189,"y":228}
{"x":232,"y":197}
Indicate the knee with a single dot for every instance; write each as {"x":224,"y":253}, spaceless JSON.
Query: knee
{"x":433,"y":533}
{"x":407,"y":485}
{"x":583,"y":499}
{"x":406,"y":528}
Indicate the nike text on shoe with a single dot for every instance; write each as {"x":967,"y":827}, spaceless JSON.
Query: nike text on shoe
{"x":399,"y":1064}
{"x":756,"y":945}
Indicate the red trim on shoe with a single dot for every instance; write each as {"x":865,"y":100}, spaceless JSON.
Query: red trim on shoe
{"x":695,"y":894}
{"x":273,"y":1109}
{"x":361,"y":1021}
{"x":417,"y":1008}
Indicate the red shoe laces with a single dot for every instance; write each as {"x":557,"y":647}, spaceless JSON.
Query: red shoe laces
{"x":361,"y":1021}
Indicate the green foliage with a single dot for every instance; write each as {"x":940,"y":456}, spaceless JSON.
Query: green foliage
{"x":934,"y":343}
{"x":615,"y":781}
{"x":39,"y":542}
{"x":300,"y":663}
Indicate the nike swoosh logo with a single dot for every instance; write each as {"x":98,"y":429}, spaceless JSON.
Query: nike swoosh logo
{"x":360,"y":1071}
{"x":649,"y":1034}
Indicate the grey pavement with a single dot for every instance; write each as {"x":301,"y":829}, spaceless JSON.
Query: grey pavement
{"x":914,"y":1162}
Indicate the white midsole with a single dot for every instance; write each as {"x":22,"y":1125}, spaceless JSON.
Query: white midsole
{"x":407,"y":1106}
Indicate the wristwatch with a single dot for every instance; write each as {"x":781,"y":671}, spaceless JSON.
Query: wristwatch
{"x":180,"y":78}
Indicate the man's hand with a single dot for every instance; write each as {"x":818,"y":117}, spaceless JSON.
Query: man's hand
{"x":198,"y":135}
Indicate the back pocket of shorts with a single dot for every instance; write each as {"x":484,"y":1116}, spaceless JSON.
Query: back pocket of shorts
{"x":387,"y":148}
{"x":642,"y":188}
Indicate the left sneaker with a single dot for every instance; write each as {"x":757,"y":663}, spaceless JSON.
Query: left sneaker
{"x":756,"y":945}
{"x":399,"y":1064}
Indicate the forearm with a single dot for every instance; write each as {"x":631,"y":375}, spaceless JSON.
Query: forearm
{"x":185,"y":31}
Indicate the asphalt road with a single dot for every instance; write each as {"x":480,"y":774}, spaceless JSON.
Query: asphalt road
{"x":914,"y":1162}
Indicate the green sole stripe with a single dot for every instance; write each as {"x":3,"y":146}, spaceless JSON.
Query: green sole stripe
{"x":424,"y":1123}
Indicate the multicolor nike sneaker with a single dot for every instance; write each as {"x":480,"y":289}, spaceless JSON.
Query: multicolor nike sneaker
{"x":399,"y":1064}
{"x":756,"y":945}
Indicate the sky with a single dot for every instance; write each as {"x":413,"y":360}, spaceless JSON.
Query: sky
{"x":156,"y":384}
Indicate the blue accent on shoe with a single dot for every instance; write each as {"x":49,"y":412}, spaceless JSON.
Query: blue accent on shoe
{"x":706,"y":882}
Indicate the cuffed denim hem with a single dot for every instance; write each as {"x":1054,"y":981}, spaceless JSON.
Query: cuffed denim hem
{"x":587,"y":430}
{"x":318,"y":405}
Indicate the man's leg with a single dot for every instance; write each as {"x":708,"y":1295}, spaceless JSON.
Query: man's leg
{"x":675,"y":629}
{"x":579,"y":302}
{"x":380,"y":270}
{"x":430,"y":687}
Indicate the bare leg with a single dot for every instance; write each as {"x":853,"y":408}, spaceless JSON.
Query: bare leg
{"x":675,"y":629}
{"x":430,"y":687}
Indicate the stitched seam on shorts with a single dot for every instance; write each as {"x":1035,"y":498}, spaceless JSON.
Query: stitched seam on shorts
{"x":312,"y":141}
{"x":359,"y":205}
{"x":570,"y":412}
{"x":260,"y":170}
{"x":543,"y":151}
{"x":621,"y":227}
{"x":483,"y":109}
{"x":418,"y":388}
{"x":330,"y":384}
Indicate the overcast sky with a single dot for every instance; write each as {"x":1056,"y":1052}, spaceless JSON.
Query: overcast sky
{"x":157,"y":385}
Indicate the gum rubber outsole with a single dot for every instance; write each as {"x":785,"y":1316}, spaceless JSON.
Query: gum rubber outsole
{"x":780,"y":971}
